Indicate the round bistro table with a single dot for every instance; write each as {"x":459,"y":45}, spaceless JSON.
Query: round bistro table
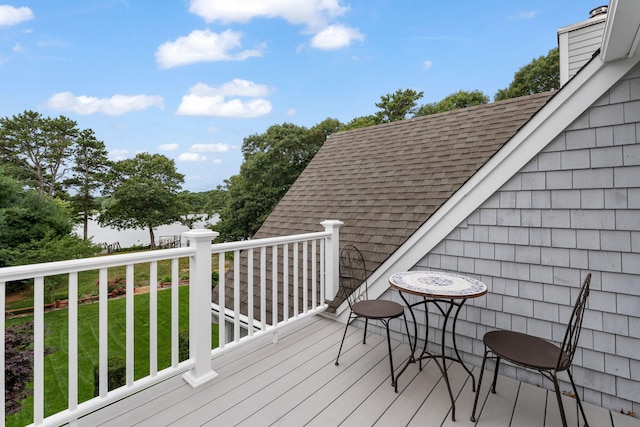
{"x":446,"y":291}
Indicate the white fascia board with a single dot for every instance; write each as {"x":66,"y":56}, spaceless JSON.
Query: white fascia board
{"x":568,"y":104}
{"x":578,"y":25}
{"x":622,"y":30}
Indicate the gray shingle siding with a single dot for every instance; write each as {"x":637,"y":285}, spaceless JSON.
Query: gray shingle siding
{"x":573,"y":209}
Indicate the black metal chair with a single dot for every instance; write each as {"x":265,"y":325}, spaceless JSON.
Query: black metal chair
{"x":353,"y":285}
{"x":536,"y":353}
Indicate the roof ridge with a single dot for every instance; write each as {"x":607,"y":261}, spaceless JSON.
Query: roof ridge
{"x":465,"y":110}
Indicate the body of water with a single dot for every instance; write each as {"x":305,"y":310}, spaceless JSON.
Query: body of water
{"x":135,"y":237}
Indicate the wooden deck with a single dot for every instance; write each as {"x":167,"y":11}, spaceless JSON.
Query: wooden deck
{"x":295,"y":382}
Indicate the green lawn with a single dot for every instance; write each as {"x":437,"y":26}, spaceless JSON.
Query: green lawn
{"x":56,"y":324}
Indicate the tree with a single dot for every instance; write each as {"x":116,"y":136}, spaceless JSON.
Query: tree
{"x":194,"y":202}
{"x":87,"y":175}
{"x":397,"y":106}
{"x":142,"y":193}
{"x":361,"y":122}
{"x":272,"y":163}
{"x":215,"y":201}
{"x":35,"y":229}
{"x":193,"y":206}
{"x":540,"y":75}
{"x":37,"y":149}
{"x":455,"y":101}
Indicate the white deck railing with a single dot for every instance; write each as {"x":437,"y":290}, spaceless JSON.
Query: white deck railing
{"x":304,"y":265}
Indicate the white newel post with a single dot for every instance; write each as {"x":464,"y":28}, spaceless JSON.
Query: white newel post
{"x":200,"y":307}
{"x":332,"y":282}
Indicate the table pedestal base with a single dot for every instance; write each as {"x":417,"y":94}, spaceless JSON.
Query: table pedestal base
{"x":445,"y":306}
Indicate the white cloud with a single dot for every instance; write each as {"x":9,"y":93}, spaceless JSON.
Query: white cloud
{"x":336,"y":37}
{"x":117,"y":154}
{"x":427,"y":64}
{"x":523,"y":15}
{"x":203,"y":100}
{"x":192,"y":105}
{"x":210,"y":148}
{"x":168,"y":147}
{"x":114,"y":106}
{"x":317,"y":16}
{"x":217,"y":161}
{"x":236,"y":87}
{"x":204,"y":46}
{"x":291,"y":112}
{"x":312,"y":13}
{"x":191,"y":157}
{"x":10,"y":15}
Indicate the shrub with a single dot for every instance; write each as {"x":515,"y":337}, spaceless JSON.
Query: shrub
{"x":215,"y":278}
{"x":116,"y":375}
{"x":183,"y":345}
{"x":19,"y":362}
{"x":115,"y":286}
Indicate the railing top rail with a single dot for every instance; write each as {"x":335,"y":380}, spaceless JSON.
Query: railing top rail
{"x":268,"y":241}
{"x":29,"y":271}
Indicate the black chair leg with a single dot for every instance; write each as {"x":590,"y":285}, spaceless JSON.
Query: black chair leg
{"x":366,"y":325}
{"x":475,"y":401}
{"x":556,"y":387}
{"x":393,"y":380}
{"x":495,"y":376}
{"x":575,"y":391}
{"x":343,"y":337}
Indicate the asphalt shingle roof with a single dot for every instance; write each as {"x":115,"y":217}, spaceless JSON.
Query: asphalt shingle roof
{"x":385,"y":181}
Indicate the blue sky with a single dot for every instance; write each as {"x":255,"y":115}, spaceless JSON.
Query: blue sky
{"x":191,"y":79}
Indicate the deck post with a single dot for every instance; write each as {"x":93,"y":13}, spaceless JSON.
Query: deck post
{"x":200,"y":307}
{"x":332,"y":253}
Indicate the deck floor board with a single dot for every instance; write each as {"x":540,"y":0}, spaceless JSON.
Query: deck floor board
{"x":296,"y":382}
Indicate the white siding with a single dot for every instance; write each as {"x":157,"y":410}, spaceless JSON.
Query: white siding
{"x":577,"y":45}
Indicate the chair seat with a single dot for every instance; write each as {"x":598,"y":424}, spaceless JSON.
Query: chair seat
{"x":525,"y":349}
{"x":377,"y":309}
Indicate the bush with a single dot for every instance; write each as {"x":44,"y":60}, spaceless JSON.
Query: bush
{"x":116,"y":375}
{"x":215,"y":278}
{"x":115,"y":286}
{"x":19,"y":362}
{"x":59,"y":296}
{"x":18,"y":286}
{"x":183,"y":345}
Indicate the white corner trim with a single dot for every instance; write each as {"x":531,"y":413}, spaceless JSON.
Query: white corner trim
{"x":563,"y":47}
{"x":563,"y":108}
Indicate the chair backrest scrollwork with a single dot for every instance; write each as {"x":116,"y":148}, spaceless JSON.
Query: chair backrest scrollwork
{"x":572,"y":334}
{"x":353,"y":275}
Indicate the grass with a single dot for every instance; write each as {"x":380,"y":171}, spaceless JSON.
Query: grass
{"x":56,"y":327}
